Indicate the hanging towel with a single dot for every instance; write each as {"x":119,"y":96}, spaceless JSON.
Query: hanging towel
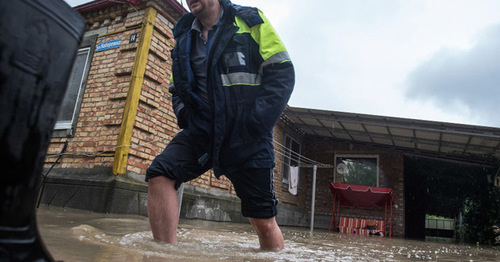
{"x":293,"y":180}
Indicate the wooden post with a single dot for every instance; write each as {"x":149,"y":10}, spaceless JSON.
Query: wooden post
{"x":134,"y":93}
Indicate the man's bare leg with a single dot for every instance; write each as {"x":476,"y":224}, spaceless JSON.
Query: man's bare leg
{"x":163,"y":209}
{"x":270,"y":236}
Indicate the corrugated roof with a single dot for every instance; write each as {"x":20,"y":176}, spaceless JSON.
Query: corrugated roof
{"x":477,"y":144}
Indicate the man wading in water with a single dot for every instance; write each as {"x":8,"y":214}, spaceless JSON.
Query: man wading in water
{"x":231,"y":80}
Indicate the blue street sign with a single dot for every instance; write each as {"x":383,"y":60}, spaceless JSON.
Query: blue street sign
{"x":108,"y":45}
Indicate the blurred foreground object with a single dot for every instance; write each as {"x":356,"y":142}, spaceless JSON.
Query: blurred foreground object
{"x":38,"y":44}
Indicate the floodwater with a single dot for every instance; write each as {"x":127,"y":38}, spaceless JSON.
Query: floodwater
{"x":75,"y":235}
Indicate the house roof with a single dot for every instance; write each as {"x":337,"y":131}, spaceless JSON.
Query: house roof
{"x":476,"y":144}
{"x":100,"y":4}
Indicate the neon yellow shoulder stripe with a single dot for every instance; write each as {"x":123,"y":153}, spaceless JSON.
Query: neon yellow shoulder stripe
{"x":264,"y":35}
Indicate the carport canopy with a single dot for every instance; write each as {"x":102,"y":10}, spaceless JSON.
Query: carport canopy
{"x":468,"y":143}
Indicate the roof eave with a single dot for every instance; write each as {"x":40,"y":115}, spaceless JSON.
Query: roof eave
{"x":100,"y":4}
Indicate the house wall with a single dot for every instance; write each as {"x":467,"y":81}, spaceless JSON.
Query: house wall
{"x":280,"y":130}
{"x":390,"y":175}
{"x":97,"y":130}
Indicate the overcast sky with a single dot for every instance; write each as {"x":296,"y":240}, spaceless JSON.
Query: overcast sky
{"x":424,"y":59}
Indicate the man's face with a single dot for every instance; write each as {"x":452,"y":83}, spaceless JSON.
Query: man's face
{"x":197,"y":7}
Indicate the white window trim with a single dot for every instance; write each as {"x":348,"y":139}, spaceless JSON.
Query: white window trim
{"x":61,"y":125}
{"x":66,"y":128}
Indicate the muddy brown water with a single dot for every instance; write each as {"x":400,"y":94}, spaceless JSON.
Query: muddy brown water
{"x":76,"y":235}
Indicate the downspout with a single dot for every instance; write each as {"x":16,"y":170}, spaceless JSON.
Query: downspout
{"x":134,"y":92}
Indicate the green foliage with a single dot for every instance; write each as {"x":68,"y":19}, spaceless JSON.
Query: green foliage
{"x":481,"y":214}
{"x":436,"y":217}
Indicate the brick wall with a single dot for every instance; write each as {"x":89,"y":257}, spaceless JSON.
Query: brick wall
{"x":97,"y":128}
{"x":281,"y":189}
{"x":101,"y":112}
{"x":155,"y":122}
{"x":390,"y":175}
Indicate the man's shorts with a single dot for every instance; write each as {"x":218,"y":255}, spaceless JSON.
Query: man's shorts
{"x":182,"y":161}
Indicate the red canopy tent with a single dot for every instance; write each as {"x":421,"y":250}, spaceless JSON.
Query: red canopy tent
{"x":346,"y":195}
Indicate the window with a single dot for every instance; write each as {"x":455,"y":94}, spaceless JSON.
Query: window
{"x":291,"y":158}
{"x":357,"y":170}
{"x":70,"y":106}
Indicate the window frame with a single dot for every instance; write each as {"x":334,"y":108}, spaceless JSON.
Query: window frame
{"x":67,"y":128}
{"x":337,"y":156}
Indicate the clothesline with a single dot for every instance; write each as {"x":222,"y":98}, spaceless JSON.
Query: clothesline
{"x":286,"y":152}
{"x":302,"y":160}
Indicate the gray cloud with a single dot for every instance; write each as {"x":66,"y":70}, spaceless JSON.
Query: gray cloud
{"x":466,"y":77}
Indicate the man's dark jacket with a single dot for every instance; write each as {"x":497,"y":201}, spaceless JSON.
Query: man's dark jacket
{"x":250,"y":79}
